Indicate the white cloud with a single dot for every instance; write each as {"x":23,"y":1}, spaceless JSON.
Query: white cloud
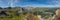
{"x":55,"y":3}
{"x":16,"y":1}
{"x":12,"y":2}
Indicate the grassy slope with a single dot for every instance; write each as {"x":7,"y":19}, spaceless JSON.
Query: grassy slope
{"x":15,"y":17}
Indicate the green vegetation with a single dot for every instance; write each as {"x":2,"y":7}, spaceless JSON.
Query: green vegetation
{"x":44,"y":12}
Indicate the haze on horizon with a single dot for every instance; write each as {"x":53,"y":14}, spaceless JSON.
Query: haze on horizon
{"x":31,"y":3}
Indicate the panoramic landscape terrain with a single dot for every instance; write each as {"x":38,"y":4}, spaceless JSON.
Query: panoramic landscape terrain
{"x":25,"y":13}
{"x":29,"y":9}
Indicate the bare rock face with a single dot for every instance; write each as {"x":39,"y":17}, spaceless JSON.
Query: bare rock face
{"x":33,"y":17}
{"x":58,"y":12}
{"x":38,"y":17}
{"x":30,"y":17}
{"x":57,"y":16}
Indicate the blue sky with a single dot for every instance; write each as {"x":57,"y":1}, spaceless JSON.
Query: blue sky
{"x":32,"y":3}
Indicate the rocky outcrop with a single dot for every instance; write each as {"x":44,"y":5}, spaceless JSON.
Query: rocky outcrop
{"x":57,"y":16}
{"x":33,"y":17}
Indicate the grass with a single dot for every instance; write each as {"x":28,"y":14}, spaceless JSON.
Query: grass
{"x":14,"y":17}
